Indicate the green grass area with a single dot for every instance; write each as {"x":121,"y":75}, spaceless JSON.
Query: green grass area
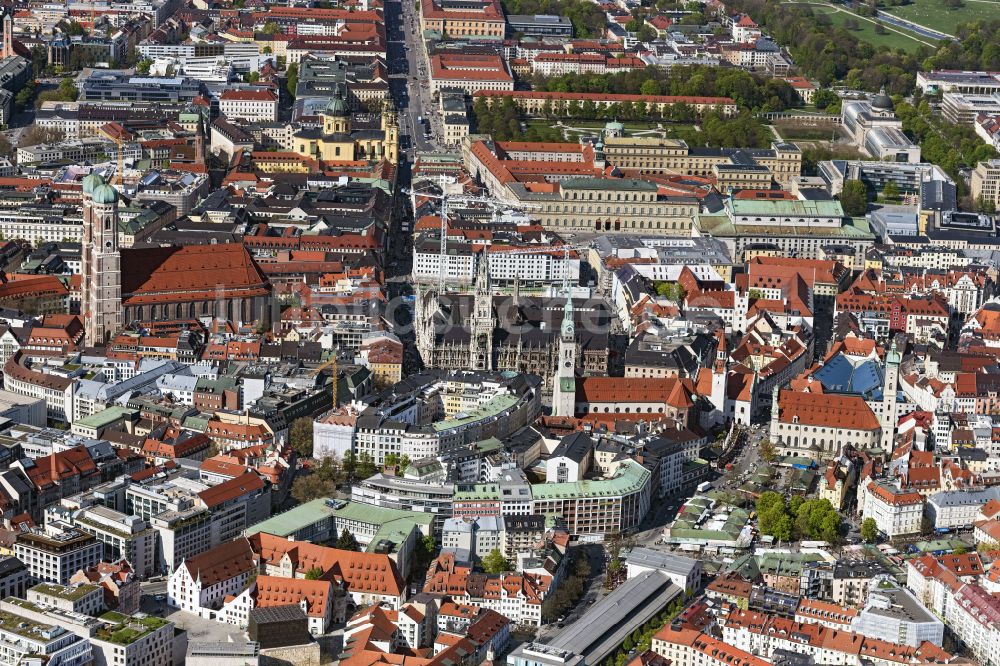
{"x":547,"y":128}
{"x":791,"y":130}
{"x":629,"y":125}
{"x":866,"y":31}
{"x":933,"y":14}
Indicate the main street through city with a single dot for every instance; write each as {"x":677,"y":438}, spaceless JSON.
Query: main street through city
{"x":409,"y":80}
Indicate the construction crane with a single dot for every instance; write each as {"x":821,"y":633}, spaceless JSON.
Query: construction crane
{"x":332,"y":362}
{"x":494,"y":204}
{"x":119,"y":140}
{"x":119,"y":179}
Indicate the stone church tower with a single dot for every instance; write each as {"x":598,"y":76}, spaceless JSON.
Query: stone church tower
{"x":483,"y":323}
{"x":564,"y":381}
{"x":101,"y":300}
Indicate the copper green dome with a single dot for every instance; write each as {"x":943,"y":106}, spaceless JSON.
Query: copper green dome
{"x":336,"y":107}
{"x":91,"y":182}
{"x":104,"y":194}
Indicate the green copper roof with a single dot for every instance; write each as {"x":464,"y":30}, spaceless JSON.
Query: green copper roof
{"x":91,"y":182}
{"x":824,"y":208}
{"x":631,"y":477}
{"x":613,"y":184}
{"x":104,"y":194}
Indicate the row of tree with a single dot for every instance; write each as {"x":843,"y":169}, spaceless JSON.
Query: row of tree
{"x":748,"y":90}
{"x":640,"y":640}
{"x":326,"y":478}
{"x":504,"y":122}
{"x":568,"y":592}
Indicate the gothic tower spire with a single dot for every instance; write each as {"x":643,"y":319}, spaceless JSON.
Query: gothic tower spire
{"x":483,"y":323}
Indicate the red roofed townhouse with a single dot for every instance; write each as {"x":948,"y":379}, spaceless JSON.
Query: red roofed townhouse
{"x":925,"y":319}
{"x":765,"y":633}
{"x":236,"y":435}
{"x":731,"y":588}
{"x":119,"y":582}
{"x":825,"y":613}
{"x":518,"y":597}
{"x":818,"y":425}
{"x":171,"y":443}
{"x":60,"y":474}
{"x":896,"y":512}
{"x":689,"y":647}
{"x":55,"y":334}
{"x":221,"y":468}
{"x":37,"y":294}
{"x":931,"y":583}
{"x":984,"y":325}
{"x":987,"y":532}
{"x":802,"y":87}
{"x":367,"y":577}
{"x":661,"y":24}
{"x":745,"y":30}
{"x":201,"y":583}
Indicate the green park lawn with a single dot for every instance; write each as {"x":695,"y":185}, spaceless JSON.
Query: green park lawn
{"x":933,"y":14}
{"x":866,"y":31}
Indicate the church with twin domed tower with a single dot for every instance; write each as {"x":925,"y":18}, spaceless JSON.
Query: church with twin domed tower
{"x":121,"y":286}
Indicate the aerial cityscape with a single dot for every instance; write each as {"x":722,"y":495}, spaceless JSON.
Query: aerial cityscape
{"x":499,"y":332}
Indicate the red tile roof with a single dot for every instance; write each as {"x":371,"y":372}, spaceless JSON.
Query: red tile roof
{"x":222,"y":563}
{"x":372,"y":573}
{"x":668,"y":390}
{"x":825,"y":410}
{"x":278,"y":591}
{"x":189,"y":272}
{"x":226,"y":491}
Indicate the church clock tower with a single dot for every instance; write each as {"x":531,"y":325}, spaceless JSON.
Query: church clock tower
{"x":101,"y":300}
{"x":890,"y":406}
{"x":564,"y":379}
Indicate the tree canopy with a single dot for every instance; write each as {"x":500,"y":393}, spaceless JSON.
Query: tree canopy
{"x":869,"y":530}
{"x":346,"y":541}
{"x":300,"y":435}
{"x":854,"y":198}
{"x":748,"y":90}
{"x":495,"y":562}
{"x":797,"y":518}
